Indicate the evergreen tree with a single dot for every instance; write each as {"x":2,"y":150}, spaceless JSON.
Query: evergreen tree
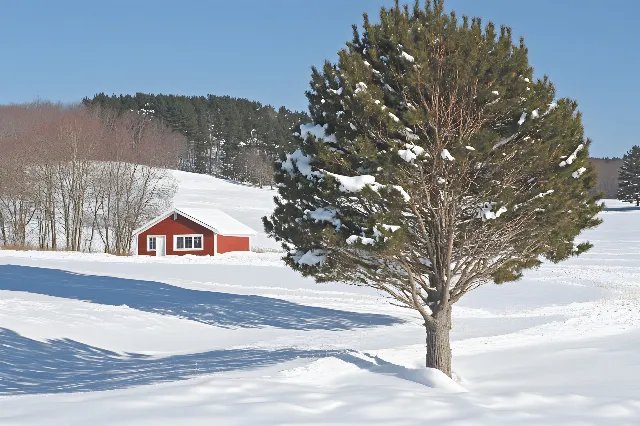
{"x":434,"y":164}
{"x":629,"y":177}
{"x":220,"y":131}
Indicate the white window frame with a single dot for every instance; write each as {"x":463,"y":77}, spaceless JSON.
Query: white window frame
{"x":149,"y":239}
{"x":175,"y":242}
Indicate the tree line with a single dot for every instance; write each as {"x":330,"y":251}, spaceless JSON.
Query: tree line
{"x":76,"y":178}
{"x":227,"y":137}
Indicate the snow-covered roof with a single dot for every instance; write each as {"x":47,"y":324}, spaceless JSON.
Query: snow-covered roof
{"x":213,"y":219}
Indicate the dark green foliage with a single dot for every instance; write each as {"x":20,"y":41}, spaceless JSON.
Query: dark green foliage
{"x":220,"y":130}
{"x":447,"y":110}
{"x":629,"y":177}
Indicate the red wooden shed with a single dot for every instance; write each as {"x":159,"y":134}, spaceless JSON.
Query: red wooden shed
{"x":189,"y":230}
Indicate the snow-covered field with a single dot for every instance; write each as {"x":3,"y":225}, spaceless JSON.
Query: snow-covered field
{"x":239,"y":339}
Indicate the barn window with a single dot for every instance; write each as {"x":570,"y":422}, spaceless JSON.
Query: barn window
{"x":188,"y":242}
{"x":151,"y":243}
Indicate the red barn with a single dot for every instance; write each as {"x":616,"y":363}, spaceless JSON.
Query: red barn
{"x":199,"y":231}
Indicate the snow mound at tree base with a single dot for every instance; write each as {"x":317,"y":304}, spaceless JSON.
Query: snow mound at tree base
{"x":355,"y":367}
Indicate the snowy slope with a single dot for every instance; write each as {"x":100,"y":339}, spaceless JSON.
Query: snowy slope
{"x":244,"y":203}
{"x":240,"y":339}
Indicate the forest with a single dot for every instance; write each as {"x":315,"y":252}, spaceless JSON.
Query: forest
{"x":227,"y":137}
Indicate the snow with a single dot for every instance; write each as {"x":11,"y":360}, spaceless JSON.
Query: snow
{"x":303,"y":162}
{"x":317,"y":131}
{"x":411,"y":152}
{"x":470,"y":148}
{"x":572,"y":157}
{"x":495,"y":92}
{"x":312,"y":257}
{"x":394,"y":117}
{"x":523,"y":117}
{"x":408,"y":57}
{"x":578,"y":172}
{"x":354,"y":239}
{"x":242,"y":202}
{"x":360,"y":87}
{"x":325,"y":215}
{"x":485,"y":213}
{"x":446,"y":155}
{"x":535,"y":114}
{"x":218,"y":221}
{"x":407,"y":155}
{"x":240,"y":339}
{"x":353,"y":183}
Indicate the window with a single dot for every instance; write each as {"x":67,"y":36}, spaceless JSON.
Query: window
{"x":151,"y":243}
{"x":187,"y":242}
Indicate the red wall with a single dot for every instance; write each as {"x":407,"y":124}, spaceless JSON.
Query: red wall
{"x":227,"y":244}
{"x":180,"y":226}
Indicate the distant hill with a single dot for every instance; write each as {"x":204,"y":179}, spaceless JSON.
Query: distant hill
{"x":232,"y":138}
{"x":607,"y":170}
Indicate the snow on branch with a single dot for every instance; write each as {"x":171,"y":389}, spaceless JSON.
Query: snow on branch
{"x":357,"y":183}
{"x":523,"y":117}
{"x":578,"y":172}
{"x":363,"y":240}
{"x":446,"y":155}
{"x":485,"y":213}
{"x":302,"y":162}
{"x":325,"y":214}
{"x":360,"y":87}
{"x":316,"y":130}
{"x":312,"y":257}
{"x":540,"y":195}
{"x":408,"y":57}
{"x":411,"y":152}
{"x":572,"y":157}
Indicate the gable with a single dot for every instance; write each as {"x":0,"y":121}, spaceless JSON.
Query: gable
{"x":179,"y":226}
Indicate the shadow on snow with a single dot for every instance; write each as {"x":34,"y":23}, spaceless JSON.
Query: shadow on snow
{"x":213,"y":308}
{"x":32,"y":367}
{"x":621,"y":209}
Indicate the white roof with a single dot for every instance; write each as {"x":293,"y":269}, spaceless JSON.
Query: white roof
{"x":213,"y":219}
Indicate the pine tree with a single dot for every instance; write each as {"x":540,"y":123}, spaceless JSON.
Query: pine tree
{"x":434,"y":164}
{"x":629,"y":177}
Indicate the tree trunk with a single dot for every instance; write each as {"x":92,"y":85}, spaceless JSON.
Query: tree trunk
{"x":438,"y":344}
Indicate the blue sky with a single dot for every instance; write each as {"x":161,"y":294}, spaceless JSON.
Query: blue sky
{"x":64,"y":50}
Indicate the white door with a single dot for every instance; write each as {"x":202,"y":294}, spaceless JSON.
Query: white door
{"x":161,"y":246}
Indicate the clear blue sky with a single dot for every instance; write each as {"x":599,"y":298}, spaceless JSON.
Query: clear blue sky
{"x":64,"y":50}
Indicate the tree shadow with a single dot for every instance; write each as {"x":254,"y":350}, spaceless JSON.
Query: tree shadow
{"x":213,"y":308}
{"x":425,"y":377}
{"x":621,"y":209}
{"x":33,"y":367}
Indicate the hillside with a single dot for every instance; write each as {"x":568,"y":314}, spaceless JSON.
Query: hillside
{"x":246,"y":203}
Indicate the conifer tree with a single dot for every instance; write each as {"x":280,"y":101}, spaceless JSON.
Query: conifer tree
{"x":434,"y":164}
{"x":629,"y":177}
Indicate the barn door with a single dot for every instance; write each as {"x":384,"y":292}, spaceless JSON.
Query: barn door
{"x":161,"y":246}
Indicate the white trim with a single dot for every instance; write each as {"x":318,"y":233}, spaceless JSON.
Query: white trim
{"x":156,"y":237}
{"x":175,"y":242}
{"x":215,"y":243}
